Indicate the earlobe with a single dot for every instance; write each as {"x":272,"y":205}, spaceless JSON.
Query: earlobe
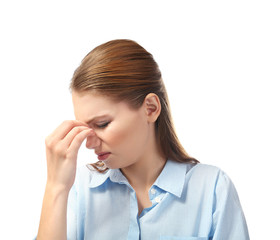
{"x":152,"y":107}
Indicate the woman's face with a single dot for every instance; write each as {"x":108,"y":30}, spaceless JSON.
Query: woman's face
{"x":120,"y":130}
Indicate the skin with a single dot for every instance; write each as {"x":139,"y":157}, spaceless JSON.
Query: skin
{"x":107,"y":126}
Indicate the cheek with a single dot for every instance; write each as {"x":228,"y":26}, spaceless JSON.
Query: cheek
{"x":125,"y":136}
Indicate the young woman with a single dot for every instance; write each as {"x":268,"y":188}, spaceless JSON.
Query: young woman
{"x":144,"y":186}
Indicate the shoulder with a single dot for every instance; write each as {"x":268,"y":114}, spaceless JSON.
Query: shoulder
{"x":209,"y":178}
{"x":204,"y":171}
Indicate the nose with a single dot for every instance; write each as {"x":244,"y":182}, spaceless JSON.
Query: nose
{"x":93,"y":142}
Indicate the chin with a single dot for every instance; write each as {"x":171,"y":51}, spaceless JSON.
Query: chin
{"x":111,"y":165}
{"x":114,"y":165}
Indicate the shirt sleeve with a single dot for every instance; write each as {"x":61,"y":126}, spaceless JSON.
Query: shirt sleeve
{"x":228,"y":218}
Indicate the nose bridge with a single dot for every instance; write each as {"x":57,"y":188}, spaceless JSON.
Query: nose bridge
{"x":93,"y":142}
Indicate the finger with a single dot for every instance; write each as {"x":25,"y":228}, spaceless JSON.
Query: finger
{"x":78,"y":140}
{"x":63,"y":129}
{"x":66,"y":142}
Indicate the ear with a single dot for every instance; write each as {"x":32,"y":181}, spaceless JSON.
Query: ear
{"x":152,"y":107}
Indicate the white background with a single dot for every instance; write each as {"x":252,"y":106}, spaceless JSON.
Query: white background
{"x":220,"y":63}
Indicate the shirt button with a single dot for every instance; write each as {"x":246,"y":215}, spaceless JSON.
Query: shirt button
{"x":157,"y":199}
{"x":153,"y":191}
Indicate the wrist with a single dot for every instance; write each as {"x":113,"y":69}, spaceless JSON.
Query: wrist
{"x":56,"y":190}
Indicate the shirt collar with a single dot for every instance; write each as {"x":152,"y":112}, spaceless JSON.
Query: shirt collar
{"x":98,"y":178}
{"x":171,"y":179}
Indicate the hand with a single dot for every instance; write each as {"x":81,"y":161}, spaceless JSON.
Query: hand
{"x":62,"y":149}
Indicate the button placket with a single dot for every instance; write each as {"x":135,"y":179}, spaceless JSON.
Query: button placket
{"x":157,"y":199}
{"x":153,"y":191}
{"x":155,"y":195}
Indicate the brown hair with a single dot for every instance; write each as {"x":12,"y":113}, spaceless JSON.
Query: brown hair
{"x":125,"y":71}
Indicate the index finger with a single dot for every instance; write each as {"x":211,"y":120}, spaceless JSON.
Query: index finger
{"x":65,"y":127}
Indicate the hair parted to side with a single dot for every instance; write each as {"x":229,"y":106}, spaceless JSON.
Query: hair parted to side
{"x":125,"y":71}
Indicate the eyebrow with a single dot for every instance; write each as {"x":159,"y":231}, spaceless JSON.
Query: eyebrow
{"x":96,"y":118}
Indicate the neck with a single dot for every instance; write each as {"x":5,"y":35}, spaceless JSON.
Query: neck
{"x":142,"y":174}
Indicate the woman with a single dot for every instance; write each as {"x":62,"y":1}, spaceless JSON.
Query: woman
{"x":144,"y":186}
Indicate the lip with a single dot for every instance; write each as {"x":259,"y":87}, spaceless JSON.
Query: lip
{"x":103,"y":156}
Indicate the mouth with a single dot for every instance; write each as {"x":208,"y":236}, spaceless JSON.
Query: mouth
{"x":103,"y":156}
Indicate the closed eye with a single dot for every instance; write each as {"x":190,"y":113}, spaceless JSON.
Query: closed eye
{"x":103,"y":125}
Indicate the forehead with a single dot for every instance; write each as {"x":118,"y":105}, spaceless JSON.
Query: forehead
{"x":90,"y":105}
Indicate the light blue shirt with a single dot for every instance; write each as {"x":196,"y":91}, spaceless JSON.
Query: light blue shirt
{"x":189,"y":202}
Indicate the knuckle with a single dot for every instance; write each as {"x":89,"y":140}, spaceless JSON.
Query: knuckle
{"x":76,"y":129}
{"x":49,"y":142}
{"x":57,"y":149}
{"x":69,"y":153}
